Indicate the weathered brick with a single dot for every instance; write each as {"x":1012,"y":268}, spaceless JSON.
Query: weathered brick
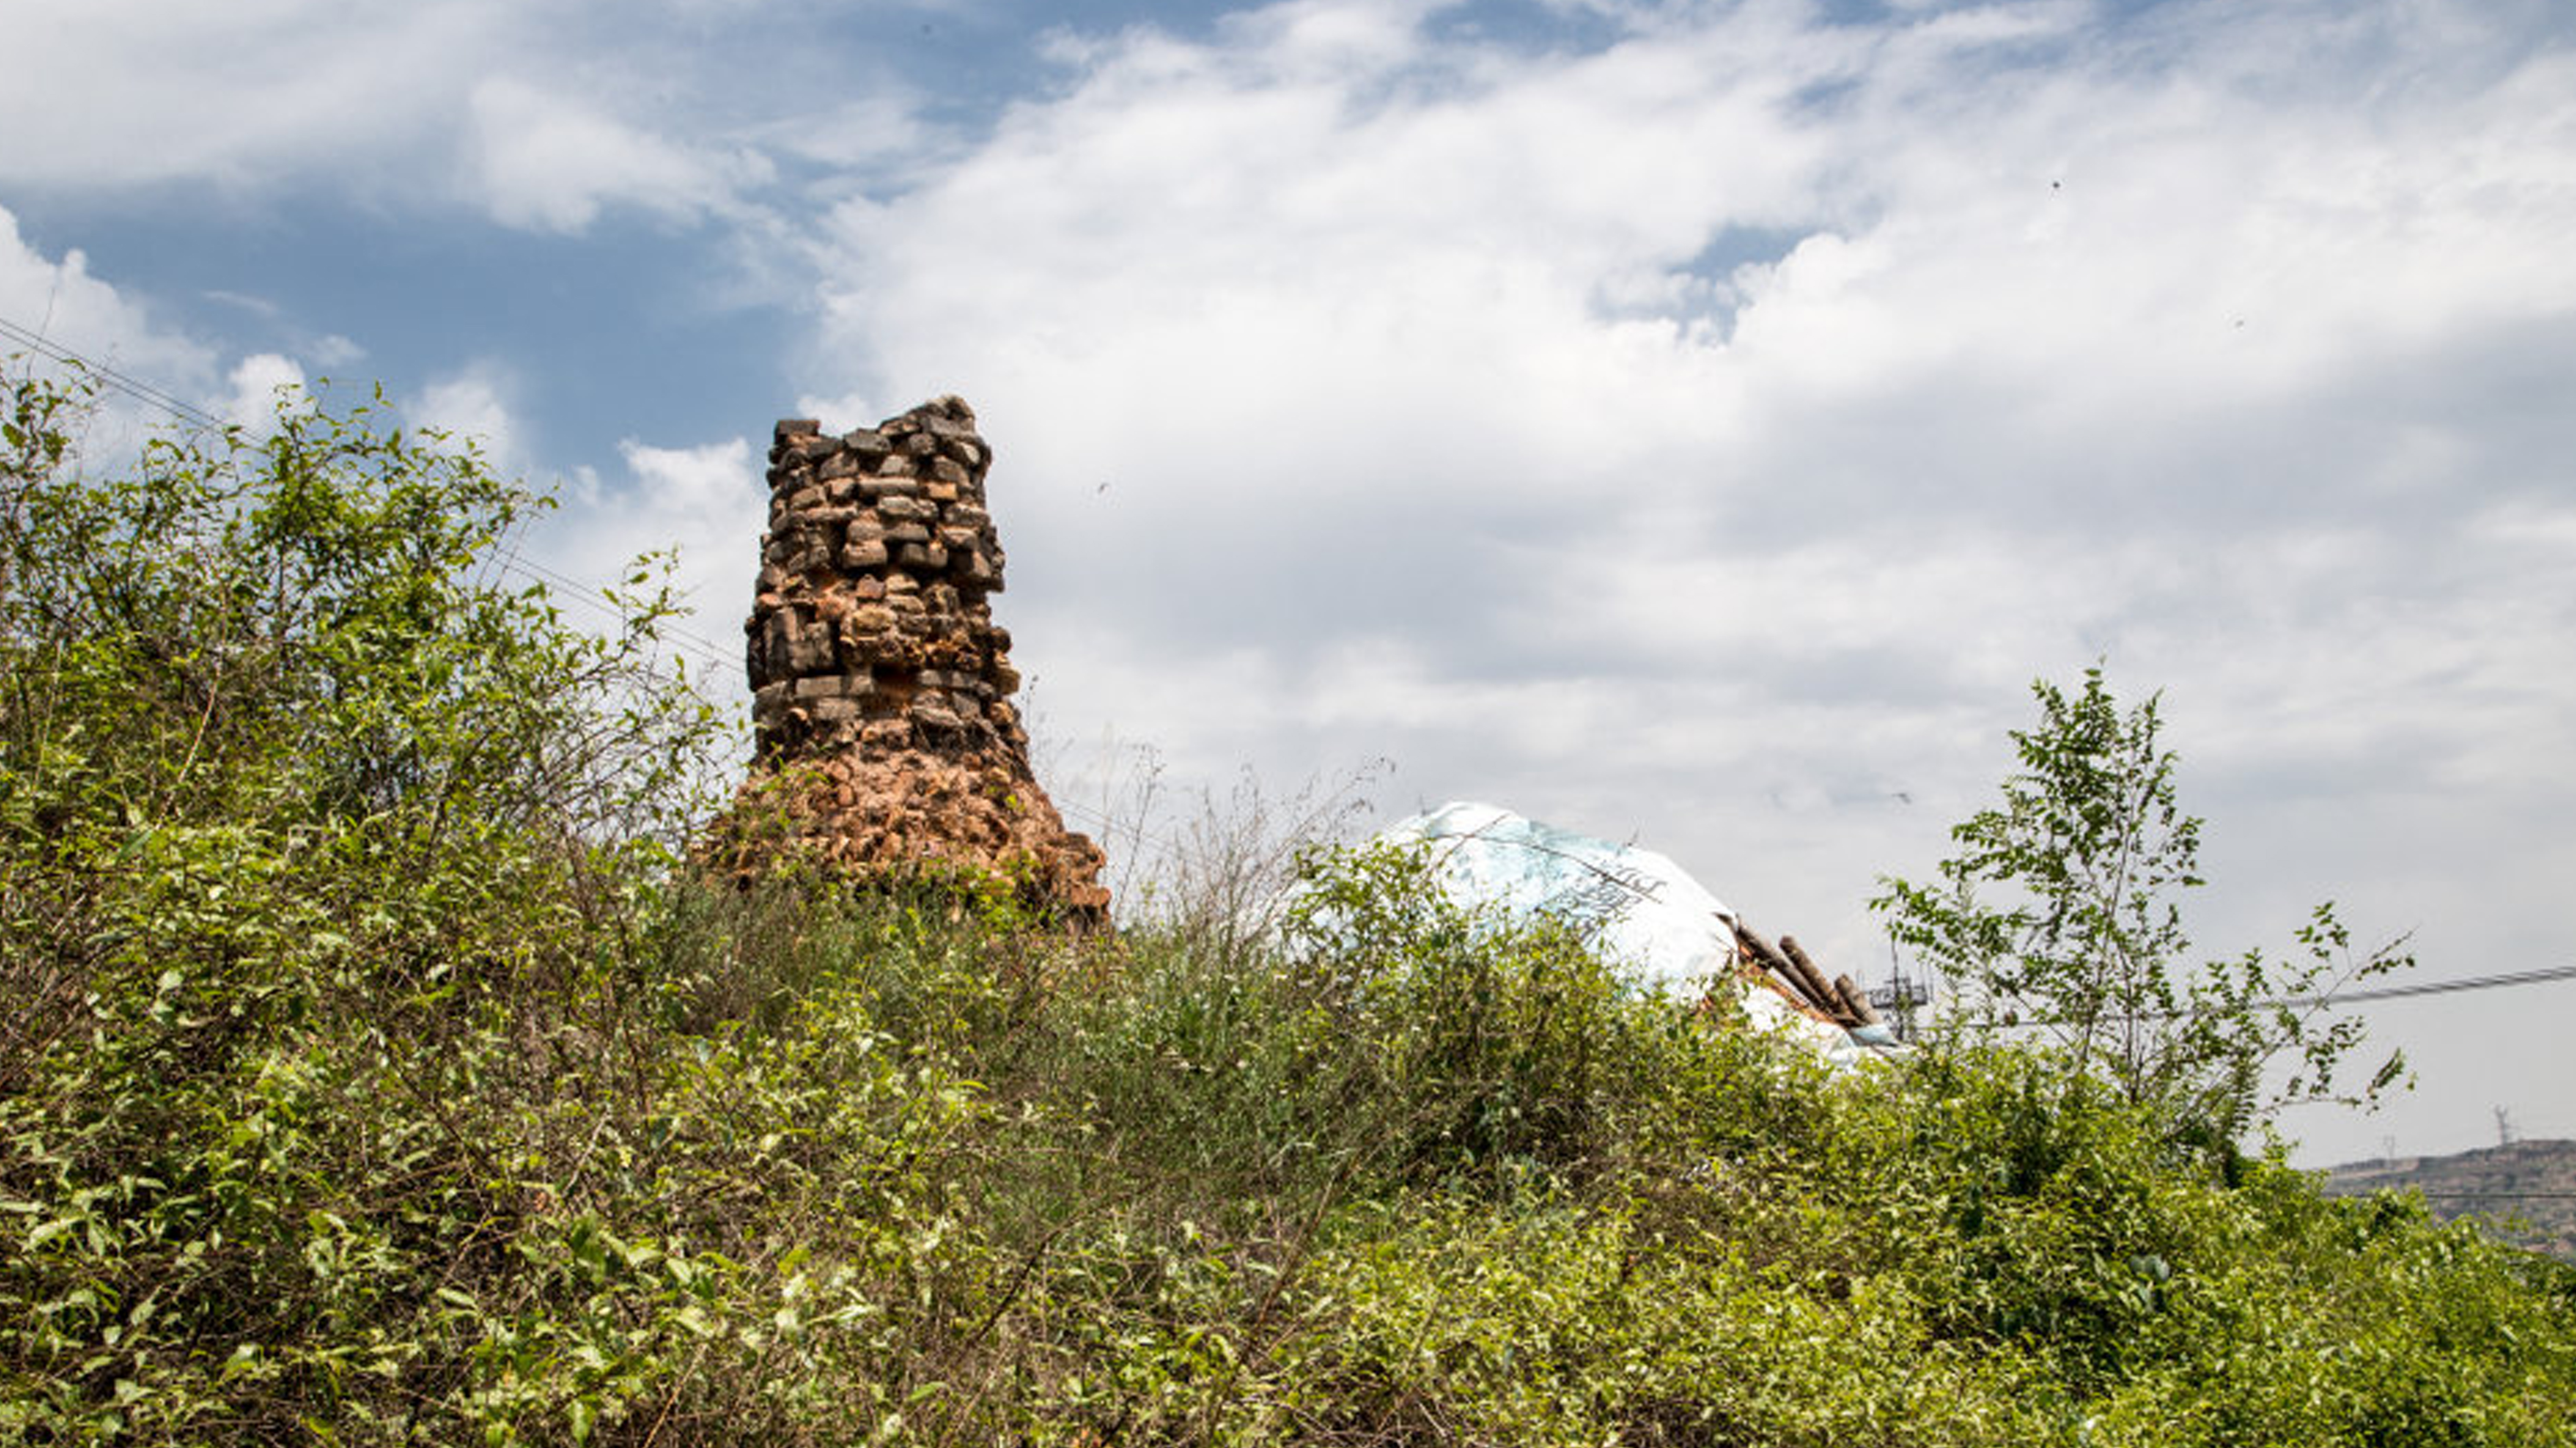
{"x":873,"y":654}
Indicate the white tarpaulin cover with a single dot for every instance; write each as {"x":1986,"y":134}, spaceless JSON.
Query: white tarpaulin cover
{"x":1639,"y":909}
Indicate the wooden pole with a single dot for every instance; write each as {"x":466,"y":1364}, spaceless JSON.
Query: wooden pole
{"x":1814,"y":982}
{"x":1809,"y":986}
{"x":1858,"y":999}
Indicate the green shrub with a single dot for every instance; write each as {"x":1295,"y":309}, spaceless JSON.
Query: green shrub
{"x":378,"y":1070}
{"x":2060,"y":920}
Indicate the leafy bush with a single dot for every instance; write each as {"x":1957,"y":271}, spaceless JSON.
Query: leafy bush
{"x":379,"y":1071}
{"x":2090,"y":852}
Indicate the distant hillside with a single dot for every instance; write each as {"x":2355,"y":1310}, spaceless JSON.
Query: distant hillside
{"x":2526,"y":1190}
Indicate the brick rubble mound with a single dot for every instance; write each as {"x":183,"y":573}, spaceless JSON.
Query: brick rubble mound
{"x":881,"y":685}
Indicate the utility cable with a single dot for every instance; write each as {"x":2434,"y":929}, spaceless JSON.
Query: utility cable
{"x":2430,"y":987}
{"x":132,"y":387}
{"x":690,"y":641}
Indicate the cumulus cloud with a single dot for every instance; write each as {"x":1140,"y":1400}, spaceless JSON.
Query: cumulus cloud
{"x":545,"y":161}
{"x":710,"y":498}
{"x":262,"y":384}
{"x":700,"y":507}
{"x":152,"y":375}
{"x":157,"y":91}
{"x":333,"y":350}
{"x":473,"y":407}
{"x":1418,"y":300}
{"x":687,"y":482}
{"x":369,"y":97}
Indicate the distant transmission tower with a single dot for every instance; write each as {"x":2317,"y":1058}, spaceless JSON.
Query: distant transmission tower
{"x":1904,"y":1001}
{"x":2504,"y":1127}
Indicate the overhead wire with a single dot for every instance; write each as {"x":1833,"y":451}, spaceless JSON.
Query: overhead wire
{"x":116,"y":380}
{"x":2431,"y":987}
{"x":2334,"y":999}
{"x":2328,"y":1000}
{"x":1115,"y":830}
{"x":594,"y":597}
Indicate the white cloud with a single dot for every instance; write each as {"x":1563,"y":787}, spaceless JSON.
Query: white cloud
{"x":369,"y":97}
{"x":334,"y":350}
{"x":152,"y":375}
{"x":473,"y":406}
{"x":262,"y":384}
{"x":839,"y":414}
{"x":860,"y":135}
{"x":152,"y":91}
{"x":712,"y":499}
{"x":546,"y":161}
{"x":688,"y":482}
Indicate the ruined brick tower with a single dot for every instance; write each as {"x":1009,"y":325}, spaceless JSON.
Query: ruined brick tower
{"x":880,"y":683}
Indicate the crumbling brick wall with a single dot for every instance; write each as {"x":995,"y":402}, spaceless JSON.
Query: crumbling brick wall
{"x":881,"y":686}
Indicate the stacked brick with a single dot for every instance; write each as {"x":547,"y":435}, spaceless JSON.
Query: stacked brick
{"x":880,"y":684}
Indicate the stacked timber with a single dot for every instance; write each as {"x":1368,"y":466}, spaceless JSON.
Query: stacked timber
{"x":1785,"y":968}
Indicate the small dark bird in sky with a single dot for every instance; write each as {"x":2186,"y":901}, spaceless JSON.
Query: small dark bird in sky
{"x":1104,"y":487}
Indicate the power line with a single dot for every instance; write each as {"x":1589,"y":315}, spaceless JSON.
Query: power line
{"x":2328,"y":1001}
{"x":687,"y":640}
{"x":1112,"y":828}
{"x":135,"y":388}
{"x":690,"y":640}
{"x":2431,"y":987}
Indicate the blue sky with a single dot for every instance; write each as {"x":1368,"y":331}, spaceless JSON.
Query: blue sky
{"x":1688,"y":422}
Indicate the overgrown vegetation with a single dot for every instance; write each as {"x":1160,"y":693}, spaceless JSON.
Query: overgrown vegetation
{"x":376,"y":1071}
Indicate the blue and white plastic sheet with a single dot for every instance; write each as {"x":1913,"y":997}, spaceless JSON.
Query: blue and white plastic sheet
{"x":1641,"y":911}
